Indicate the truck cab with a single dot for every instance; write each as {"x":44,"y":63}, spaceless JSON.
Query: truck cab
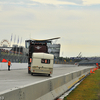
{"x":35,"y":47}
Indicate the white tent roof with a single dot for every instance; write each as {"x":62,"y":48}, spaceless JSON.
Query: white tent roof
{"x":6,"y":49}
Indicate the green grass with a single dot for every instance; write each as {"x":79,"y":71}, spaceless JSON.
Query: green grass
{"x":89,"y":89}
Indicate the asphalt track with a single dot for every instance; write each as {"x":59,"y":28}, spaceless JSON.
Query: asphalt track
{"x":15,"y":78}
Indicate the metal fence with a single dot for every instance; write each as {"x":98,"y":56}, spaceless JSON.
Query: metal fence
{"x":13,"y":57}
{"x":22,"y":58}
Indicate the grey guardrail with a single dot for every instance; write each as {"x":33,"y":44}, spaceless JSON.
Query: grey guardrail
{"x":48,"y":89}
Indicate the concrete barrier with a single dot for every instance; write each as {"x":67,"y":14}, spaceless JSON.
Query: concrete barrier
{"x":4,"y":66}
{"x":48,"y":89}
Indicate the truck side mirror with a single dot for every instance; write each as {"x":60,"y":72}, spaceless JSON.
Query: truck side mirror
{"x":27,"y":54}
{"x":32,"y":49}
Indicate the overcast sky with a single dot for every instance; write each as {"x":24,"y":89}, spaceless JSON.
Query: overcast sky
{"x":77,"y":22}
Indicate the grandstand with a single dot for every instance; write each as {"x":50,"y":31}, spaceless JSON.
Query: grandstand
{"x":90,"y":61}
{"x":13,"y":54}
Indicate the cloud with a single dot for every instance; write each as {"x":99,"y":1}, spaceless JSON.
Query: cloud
{"x":74,"y":1}
{"x":69,"y":2}
{"x":78,"y":28}
{"x":84,"y":2}
{"x":51,"y":2}
{"x":86,"y":50}
{"x":17,"y":2}
{"x":91,"y":2}
{"x":0,"y":8}
{"x":55,"y":2}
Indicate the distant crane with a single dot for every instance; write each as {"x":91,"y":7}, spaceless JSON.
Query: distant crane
{"x":79,"y":55}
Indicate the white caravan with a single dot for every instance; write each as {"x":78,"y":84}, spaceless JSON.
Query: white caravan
{"x":42,"y":63}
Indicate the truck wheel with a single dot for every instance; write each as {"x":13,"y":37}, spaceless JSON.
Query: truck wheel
{"x":48,"y":74}
{"x":29,"y":71}
{"x":32,"y":74}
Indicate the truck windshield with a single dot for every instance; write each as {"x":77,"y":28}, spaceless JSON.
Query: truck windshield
{"x":27,"y":43}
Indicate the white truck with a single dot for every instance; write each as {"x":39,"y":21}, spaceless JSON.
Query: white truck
{"x":42,"y":63}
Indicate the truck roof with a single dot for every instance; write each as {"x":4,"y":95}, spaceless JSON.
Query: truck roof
{"x":46,"y":39}
{"x":43,"y":39}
